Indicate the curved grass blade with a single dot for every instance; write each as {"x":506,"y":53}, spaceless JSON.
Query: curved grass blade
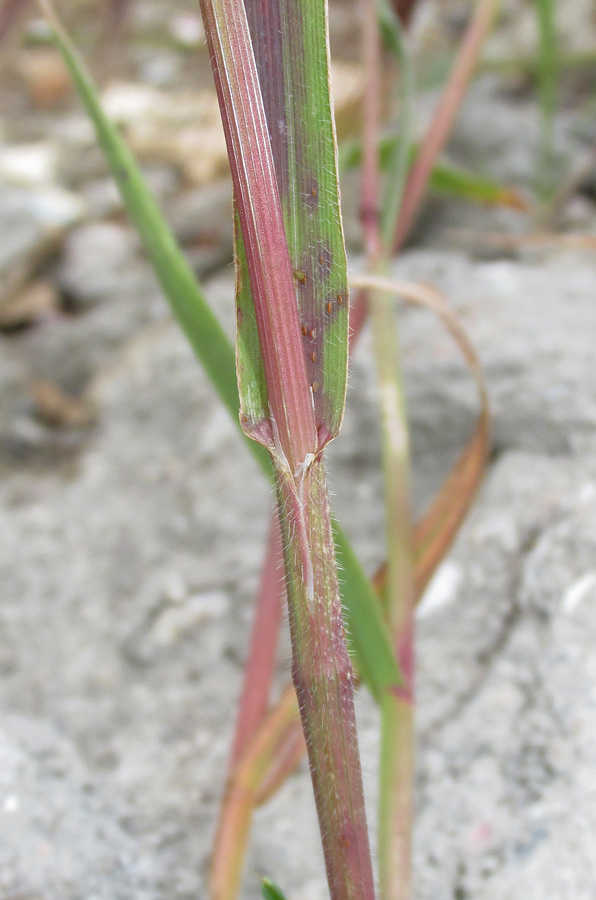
{"x":242,"y":793}
{"x":435,"y":532}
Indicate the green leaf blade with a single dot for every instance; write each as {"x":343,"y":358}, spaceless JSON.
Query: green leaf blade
{"x":293,"y":65}
{"x":547,"y":82}
{"x":271,"y":891}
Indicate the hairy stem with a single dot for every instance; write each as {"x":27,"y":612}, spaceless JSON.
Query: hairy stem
{"x":323,"y":678}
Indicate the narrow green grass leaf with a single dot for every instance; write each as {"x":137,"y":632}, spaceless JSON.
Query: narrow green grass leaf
{"x":446,"y":178}
{"x":454,"y":181}
{"x":547,"y":81}
{"x":271,"y":891}
{"x":397,"y":162}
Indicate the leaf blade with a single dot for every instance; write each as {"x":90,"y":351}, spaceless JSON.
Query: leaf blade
{"x":271,"y":891}
{"x":294,"y":72}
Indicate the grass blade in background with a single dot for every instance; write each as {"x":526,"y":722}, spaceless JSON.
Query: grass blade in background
{"x":271,"y":891}
{"x":442,"y":121}
{"x":547,"y":86}
{"x":454,"y":181}
{"x":397,"y":162}
{"x":445,"y":178}
{"x":260,"y":663}
{"x":396,"y":775}
{"x":434,"y":533}
{"x":242,"y":795}
{"x":396,"y":786}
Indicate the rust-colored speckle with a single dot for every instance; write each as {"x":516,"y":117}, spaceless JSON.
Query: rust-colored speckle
{"x":312,"y":333}
{"x":330,"y":307}
{"x":315,"y":387}
{"x":311,"y":194}
{"x":325,"y":259}
{"x":300,"y":276}
{"x":340,"y":299}
{"x":313,"y":356}
{"x":304,"y":330}
{"x":239,"y":316}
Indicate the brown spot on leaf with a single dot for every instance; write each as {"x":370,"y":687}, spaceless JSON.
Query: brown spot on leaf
{"x":330,"y":307}
{"x":300,"y":276}
{"x":315,"y":387}
{"x":312,"y":193}
{"x":313,"y":356}
{"x":312,"y":333}
{"x":325,"y":260}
